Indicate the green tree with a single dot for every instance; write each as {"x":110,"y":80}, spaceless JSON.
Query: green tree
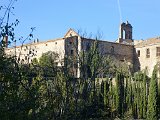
{"x":129,"y":96}
{"x":119,"y":93}
{"x":144,"y":94}
{"x":152,"y":97}
{"x":49,"y":59}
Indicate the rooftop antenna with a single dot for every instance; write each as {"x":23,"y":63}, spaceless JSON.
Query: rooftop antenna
{"x":119,"y":9}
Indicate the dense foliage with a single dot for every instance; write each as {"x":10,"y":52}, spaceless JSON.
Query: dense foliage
{"x":43,"y":90}
{"x":39,"y":91}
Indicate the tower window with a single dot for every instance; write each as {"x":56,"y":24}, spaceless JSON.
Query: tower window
{"x":147,"y":53}
{"x":138,"y":53}
{"x":124,"y":34}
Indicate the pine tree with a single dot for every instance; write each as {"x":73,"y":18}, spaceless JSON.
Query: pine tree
{"x":152,"y":98}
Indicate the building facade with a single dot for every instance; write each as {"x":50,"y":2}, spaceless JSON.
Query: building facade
{"x":141,"y":54}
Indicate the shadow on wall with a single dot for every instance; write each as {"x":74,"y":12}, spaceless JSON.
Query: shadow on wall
{"x":136,"y":63}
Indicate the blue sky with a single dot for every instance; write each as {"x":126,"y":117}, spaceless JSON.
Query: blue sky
{"x":52,"y":18}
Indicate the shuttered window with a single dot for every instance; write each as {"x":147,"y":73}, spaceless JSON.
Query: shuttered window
{"x":147,"y":53}
{"x":158,"y":51}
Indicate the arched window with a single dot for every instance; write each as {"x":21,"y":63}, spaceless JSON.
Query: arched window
{"x":112,"y":49}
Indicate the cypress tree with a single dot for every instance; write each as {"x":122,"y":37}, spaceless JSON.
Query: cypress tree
{"x":105,"y":94}
{"x":134,"y":103}
{"x":119,"y":93}
{"x":112,"y":99}
{"x":140,"y":100}
{"x":144,"y":95}
{"x":159,"y":99}
{"x":129,"y":97}
{"x":152,"y":98}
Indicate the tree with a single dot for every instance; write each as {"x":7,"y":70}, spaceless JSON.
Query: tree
{"x":152,"y":97}
{"x":49,"y":59}
{"x":144,"y":94}
{"x":119,"y":93}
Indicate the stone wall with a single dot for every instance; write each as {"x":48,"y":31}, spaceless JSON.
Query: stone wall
{"x":27,"y":52}
{"x":118,"y":51}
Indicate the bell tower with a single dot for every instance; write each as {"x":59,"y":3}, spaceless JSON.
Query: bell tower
{"x":125,"y":33}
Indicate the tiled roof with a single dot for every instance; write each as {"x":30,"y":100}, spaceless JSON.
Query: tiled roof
{"x":36,"y":43}
{"x":150,"y":41}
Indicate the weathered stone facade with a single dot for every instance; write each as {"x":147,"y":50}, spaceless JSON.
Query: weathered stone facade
{"x":142,"y":55}
{"x":148,"y":54}
{"x":121,"y":52}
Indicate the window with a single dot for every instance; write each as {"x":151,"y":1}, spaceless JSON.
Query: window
{"x":88,"y":46}
{"x":70,"y":42}
{"x":18,"y":59}
{"x":112,"y":49}
{"x":56,"y":43}
{"x":122,"y":60}
{"x":138,"y":53}
{"x":71,"y":52}
{"x":22,"y":61}
{"x":158,"y":51}
{"x":124,"y":34}
{"x":25,"y":57}
{"x":147,"y":53}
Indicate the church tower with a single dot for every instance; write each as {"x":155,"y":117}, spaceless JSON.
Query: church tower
{"x":125,"y":33}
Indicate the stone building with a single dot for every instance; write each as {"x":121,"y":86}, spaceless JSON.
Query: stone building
{"x":148,"y":54}
{"x":142,"y":54}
